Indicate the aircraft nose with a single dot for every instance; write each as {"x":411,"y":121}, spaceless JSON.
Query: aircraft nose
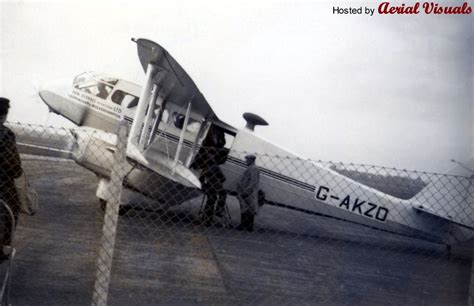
{"x":50,"y":99}
{"x":54,"y":94}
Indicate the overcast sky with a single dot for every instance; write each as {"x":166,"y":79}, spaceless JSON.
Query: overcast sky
{"x":386,"y":90}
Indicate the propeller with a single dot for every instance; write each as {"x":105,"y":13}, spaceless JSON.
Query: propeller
{"x":34,"y":88}
{"x":33,"y":95}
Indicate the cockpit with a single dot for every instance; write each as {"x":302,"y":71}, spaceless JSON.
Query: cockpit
{"x":97,"y":85}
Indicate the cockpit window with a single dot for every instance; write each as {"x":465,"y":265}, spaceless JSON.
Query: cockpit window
{"x":103,"y":90}
{"x":94,"y":88}
{"x":95,"y":85}
{"x":81,"y":79}
{"x":109,"y":81}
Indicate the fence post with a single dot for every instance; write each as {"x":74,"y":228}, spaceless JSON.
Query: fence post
{"x":109,"y":229}
{"x":470,"y":200}
{"x":471,"y":284}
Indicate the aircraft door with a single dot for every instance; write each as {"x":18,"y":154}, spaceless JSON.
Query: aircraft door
{"x":215,"y":148}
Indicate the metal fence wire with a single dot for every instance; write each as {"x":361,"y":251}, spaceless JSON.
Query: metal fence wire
{"x":227,"y":227}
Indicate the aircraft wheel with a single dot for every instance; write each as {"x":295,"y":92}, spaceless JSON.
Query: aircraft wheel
{"x":103,"y":204}
{"x":124,"y":210}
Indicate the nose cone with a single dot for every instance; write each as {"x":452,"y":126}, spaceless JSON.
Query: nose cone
{"x":56,"y":103}
{"x":55,"y":95}
{"x":50,"y":99}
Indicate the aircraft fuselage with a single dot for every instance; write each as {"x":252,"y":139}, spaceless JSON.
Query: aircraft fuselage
{"x":318,"y":189}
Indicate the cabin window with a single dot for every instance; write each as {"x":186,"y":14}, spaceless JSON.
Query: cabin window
{"x":133,"y":103}
{"x":156,"y":112}
{"x":229,"y":140}
{"x":165,"y":116}
{"x":122,"y":98}
{"x":193,"y":125}
{"x":178,"y":120}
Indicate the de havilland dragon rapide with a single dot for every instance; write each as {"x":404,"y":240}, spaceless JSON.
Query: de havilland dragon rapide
{"x":169,"y":122}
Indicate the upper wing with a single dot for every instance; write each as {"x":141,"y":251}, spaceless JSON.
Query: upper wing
{"x":177,"y":84}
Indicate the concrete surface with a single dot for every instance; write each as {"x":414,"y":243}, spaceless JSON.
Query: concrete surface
{"x":167,"y":257}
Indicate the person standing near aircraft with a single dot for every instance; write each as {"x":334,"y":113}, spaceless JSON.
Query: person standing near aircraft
{"x":10,"y":168}
{"x":247,"y":193}
{"x":212,"y":180}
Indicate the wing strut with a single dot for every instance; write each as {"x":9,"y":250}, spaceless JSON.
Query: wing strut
{"x":137,"y":131}
{"x":181,"y":136}
{"x":146,"y":135}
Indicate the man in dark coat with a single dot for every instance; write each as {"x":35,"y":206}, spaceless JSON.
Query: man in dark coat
{"x":10,"y":168}
{"x":212,"y":180}
{"x":247,"y":193}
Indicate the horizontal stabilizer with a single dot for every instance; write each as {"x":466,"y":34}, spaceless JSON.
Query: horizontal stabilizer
{"x":43,"y":151}
{"x":43,"y":141}
{"x":450,"y":198}
{"x":448,"y":217}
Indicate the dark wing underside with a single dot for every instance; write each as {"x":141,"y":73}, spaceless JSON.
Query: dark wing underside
{"x":175,"y":82}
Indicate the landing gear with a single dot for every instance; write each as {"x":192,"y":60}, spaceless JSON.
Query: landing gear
{"x":122,"y":210}
{"x":103,"y":204}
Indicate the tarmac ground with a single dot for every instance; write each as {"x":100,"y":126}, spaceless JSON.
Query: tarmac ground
{"x":168,"y":257}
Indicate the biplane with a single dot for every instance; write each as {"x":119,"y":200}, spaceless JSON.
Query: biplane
{"x":170,"y":121}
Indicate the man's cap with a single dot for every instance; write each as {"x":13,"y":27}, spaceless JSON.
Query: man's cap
{"x":250,"y":156}
{"x":4,"y":106}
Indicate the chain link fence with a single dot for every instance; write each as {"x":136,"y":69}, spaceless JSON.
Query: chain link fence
{"x":249,"y":229}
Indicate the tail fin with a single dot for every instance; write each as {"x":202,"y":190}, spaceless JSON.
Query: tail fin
{"x":450,"y":196}
{"x":463,"y":168}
